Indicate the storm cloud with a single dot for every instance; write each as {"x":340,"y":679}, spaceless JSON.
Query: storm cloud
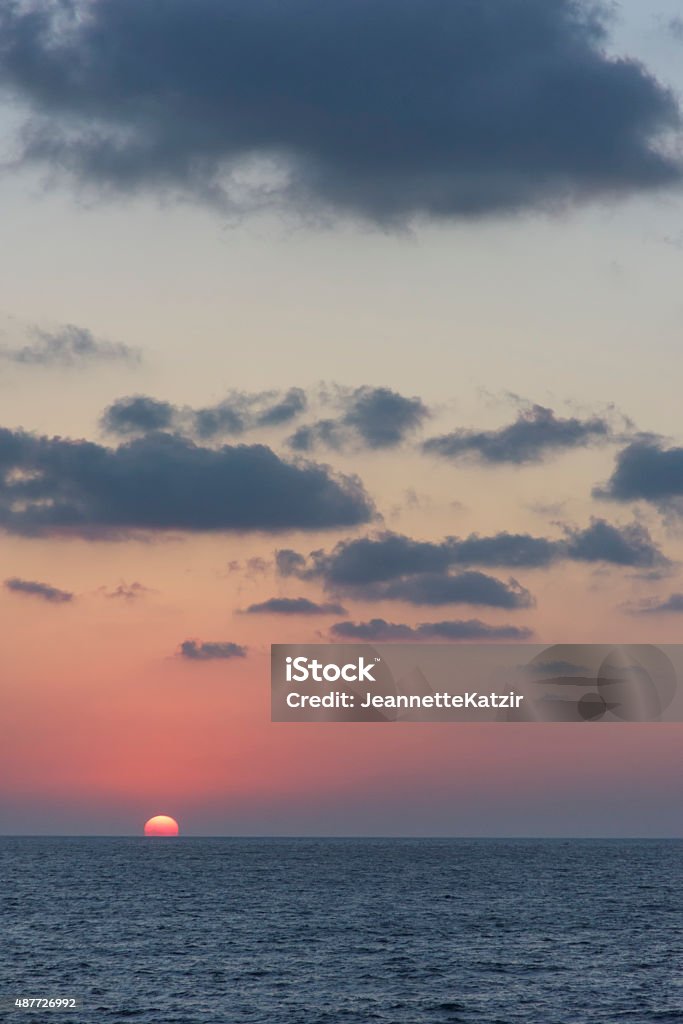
{"x":378,"y":630}
{"x":536,"y":433}
{"x":165,"y":482}
{"x":35,"y":589}
{"x":381,"y":110}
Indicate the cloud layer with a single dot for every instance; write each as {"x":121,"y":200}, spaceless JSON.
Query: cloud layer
{"x":383,"y":110}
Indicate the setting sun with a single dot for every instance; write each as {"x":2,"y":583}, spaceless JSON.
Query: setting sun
{"x":161,"y":825}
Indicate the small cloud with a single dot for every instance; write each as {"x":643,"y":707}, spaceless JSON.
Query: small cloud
{"x":128,"y":591}
{"x":646,"y":470}
{"x":137,"y":414}
{"x":629,"y":545}
{"x":193,"y":650}
{"x":294,"y":606}
{"x":675,"y":26}
{"x":536,"y":433}
{"x":378,"y":630}
{"x":35,"y":589}
{"x":253,"y":567}
{"x":657,"y":606}
{"x":374,"y":418}
{"x":69,"y":346}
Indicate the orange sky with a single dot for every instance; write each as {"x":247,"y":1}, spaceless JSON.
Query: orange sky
{"x":567,"y":300}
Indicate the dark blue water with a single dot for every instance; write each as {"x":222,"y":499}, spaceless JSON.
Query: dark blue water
{"x":344,"y":931}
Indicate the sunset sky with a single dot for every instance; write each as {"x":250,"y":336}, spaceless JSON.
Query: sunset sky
{"x":326,"y":321}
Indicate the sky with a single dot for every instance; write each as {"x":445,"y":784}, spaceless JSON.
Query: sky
{"x":320,"y":322}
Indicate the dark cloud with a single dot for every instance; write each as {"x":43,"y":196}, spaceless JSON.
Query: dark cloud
{"x":35,"y":589}
{"x":513,"y":550}
{"x":137,"y":414}
{"x":372,"y":418}
{"x":69,"y":346}
{"x":536,"y":433}
{"x":283,"y":410}
{"x":672,"y":604}
{"x":165,"y":482}
{"x":294,"y":606}
{"x":193,"y":650}
{"x":626,"y":545}
{"x":472,"y":588}
{"x":290,"y":563}
{"x":323,"y":433}
{"x":223,"y":420}
{"x":646,"y":471}
{"x":369,"y":560}
{"x":378,"y":630}
{"x":388,"y":556}
{"x":384,"y":110}
{"x":369,"y":417}
{"x":382,"y":417}
{"x":240,"y":411}
{"x":396,"y":568}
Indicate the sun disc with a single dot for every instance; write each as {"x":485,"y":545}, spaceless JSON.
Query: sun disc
{"x":161,"y":825}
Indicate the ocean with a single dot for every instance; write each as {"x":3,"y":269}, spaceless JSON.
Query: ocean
{"x":343,"y":931}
